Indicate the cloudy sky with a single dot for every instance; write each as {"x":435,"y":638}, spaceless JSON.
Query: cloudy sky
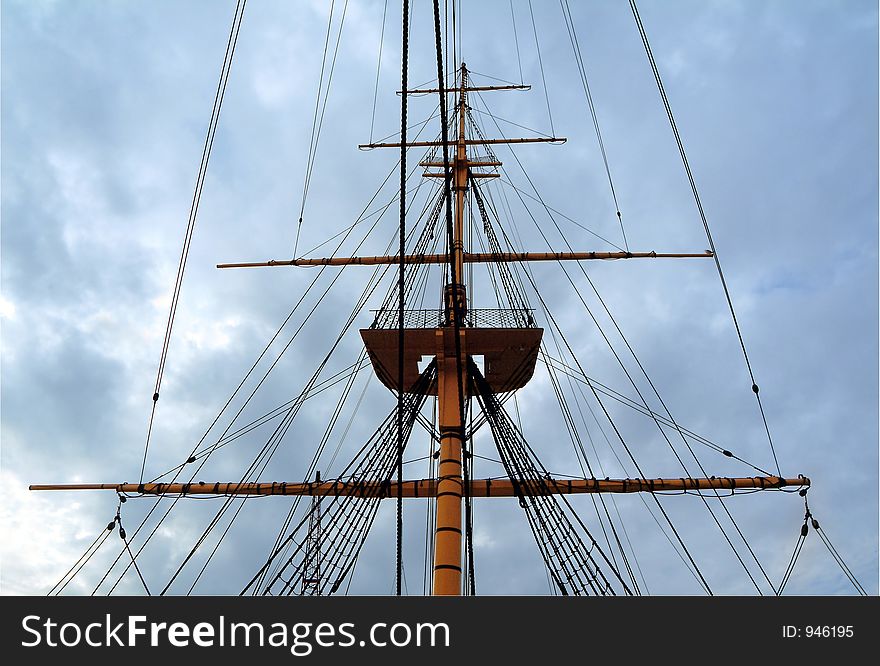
{"x":104,"y":112}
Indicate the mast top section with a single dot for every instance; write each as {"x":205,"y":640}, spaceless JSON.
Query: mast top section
{"x":462,"y":91}
{"x":464,"y":87}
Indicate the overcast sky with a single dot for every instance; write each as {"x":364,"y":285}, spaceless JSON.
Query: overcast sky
{"x":104,"y":110}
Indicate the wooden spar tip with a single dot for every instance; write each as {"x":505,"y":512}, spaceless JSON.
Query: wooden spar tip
{"x":556,"y":140}
{"x":471,"y":258}
{"x":428,"y":487}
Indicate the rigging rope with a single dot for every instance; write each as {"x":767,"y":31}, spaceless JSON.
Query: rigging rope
{"x":402,"y":266}
{"x":641,"y":367}
{"x":253,"y":367}
{"x":831,"y":549}
{"x":797,"y":549}
{"x":541,"y":65}
{"x":272,"y":445}
{"x":681,"y":434}
{"x":518,"y":302}
{"x":577,"y":445}
{"x":516,"y":42}
{"x":190,"y":458}
{"x":810,"y":520}
{"x":703,"y":218}
{"x":318,"y":123}
{"x":510,"y":122}
{"x":314,"y":463}
{"x":651,"y":412}
{"x":279,"y":432}
{"x":559,"y":365}
{"x":619,"y":435}
{"x":430,"y":508}
{"x":93,"y":548}
{"x":193,"y":212}
{"x":641,"y":497}
{"x":579,"y":60}
{"x":345,"y":520}
{"x":569,"y":561}
{"x":355,"y":311}
{"x":122,"y":536}
{"x":378,"y":69}
{"x":521,"y":192}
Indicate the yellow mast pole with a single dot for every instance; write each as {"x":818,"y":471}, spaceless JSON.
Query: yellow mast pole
{"x":447,"y":537}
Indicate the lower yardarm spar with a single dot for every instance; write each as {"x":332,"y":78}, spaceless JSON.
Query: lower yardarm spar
{"x":423,"y":488}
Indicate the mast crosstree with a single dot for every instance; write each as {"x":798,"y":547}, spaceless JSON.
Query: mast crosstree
{"x":452,"y":337}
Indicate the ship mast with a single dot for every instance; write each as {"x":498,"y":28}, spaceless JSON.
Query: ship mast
{"x":451,"y":380}
{"x":510,"y":354}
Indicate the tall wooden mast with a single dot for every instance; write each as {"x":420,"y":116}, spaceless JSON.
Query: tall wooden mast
{"x":450,"y":385}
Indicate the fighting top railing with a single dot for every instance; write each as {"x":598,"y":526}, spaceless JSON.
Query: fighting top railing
{"x":476,"y":318}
